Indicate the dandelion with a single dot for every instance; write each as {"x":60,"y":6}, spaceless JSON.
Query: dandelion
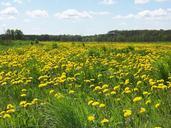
{"x":105,"y":86}
{"x":95,"y":103}
{"x":42,"y":85}
{"x":91,"y":118}
{"x":10,"y":111}
{"x":157,"y":105}
{"x":51,"y":92}
{"x":105,"y":90}
{"x":139,"y":82}
{"x":6,"y":116}
{"x":23,"y":95}
{"x":146,"y":93}
{"x":136,"y":99}
{"x":127,"y":90}
{"x":90,"y":102}
{"x":24,"y":90}
{"x":116,"y":87}
{"x":136,"y":89}
{"x":102,"y":105}
{"x":34,"y":101}
{"x":148,"y":101}
{"x":127,"y":113}
{"x":22,"y":103}
{"x":104,"y":121}
{"x":10,"y":106}
{"x":97,"y":88}
{"x":113,"y":93}
{"x":142,"y":110}
{"x":126,"y":81}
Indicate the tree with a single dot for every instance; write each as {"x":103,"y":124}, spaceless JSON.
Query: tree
{"x":12,"y":34}
{"x":18,"y":34}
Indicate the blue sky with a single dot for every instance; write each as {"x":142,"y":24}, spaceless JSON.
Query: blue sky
{"x":83,"y":17}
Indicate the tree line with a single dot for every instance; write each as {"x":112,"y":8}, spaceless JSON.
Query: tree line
{"x":111,"y":36}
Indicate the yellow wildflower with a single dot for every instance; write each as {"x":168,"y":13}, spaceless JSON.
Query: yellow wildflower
{"x":157,"y":105}
{"x":127,"y":113}
{"x":148,"y":101}
{"x":95,"y":103}
{"x":91,"y":118}
{"x":6,"y":116}
{"x":51,"y":91}
{"x":104,"y":121}
{"x":142,"y":110}
{"x":90,"y":102}
{"x":136,"y":99}
{"x":10,"y":111}
{"x":126,"y":81}
{"x":23,"y":95}
{"x":102,"y":105}
{"x":10,"y":106}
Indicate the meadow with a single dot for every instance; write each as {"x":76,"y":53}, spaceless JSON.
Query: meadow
{"x":85,"y":85}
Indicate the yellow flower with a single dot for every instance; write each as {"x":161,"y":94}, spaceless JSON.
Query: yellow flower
{"x":113,"y":93}
{"x":23,"y":90}
{"x":136,"y":89}
{"x":105,"y":86}
{"x":104,"y":121}
{"x":102,"y":105}
{"x":6,"y":116}
{"x":22,"y":103}
{"x":23,"y":95}
{"x":142,"y":110}
{"x":51,"y":91}
{"x":3,"y":112}
{"x":146,"y":93}
{"x":95,"y":103}
{"x":157,"y":105}
{"x":139,"y":82}
{"x":42,"y":85}
{"x":116,"y":87}
{"x":10,"y":111}
{"x":126,"y":81}
{"x":10,"y":106}
{"x":105,"y":90}
{"x":136,"y":99}
{"x":91,"y":118}
{"x":34,"y":101}
{"x":127,"y":113}
{"x":127,"y":90}
{"x":148,"y":101}
{"x":90,"y":102}
{"x":97,"y":88}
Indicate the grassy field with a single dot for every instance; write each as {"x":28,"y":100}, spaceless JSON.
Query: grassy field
{"x":85,"y":85}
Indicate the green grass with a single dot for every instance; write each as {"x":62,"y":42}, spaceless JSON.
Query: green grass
{"x":86,"y":67}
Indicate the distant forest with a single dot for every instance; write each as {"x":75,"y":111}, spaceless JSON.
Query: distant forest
{"x":112,"y":36}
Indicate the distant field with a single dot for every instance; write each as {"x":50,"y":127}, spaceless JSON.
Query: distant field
{"x":85,"y":85}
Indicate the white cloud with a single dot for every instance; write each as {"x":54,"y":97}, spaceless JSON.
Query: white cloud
{"x":141,"y":1}
{"x":5,"y":3}
{"x":99,"y":13}
{"x":147,"y":1}
{"x":18,"y":1}
{"x":153,"y":13}
{"x":37,"y":13}
{"x":108,"y":2}
{"x":75,"y":14}
{"x":9,"y":13}
{"x":148,"y":14}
